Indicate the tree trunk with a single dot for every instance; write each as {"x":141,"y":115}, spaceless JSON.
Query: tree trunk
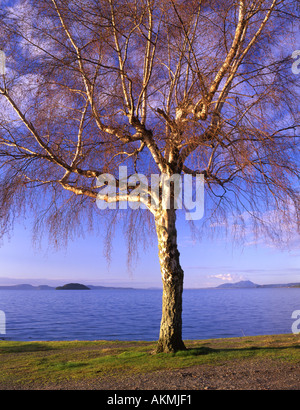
{"x":170,"y":338}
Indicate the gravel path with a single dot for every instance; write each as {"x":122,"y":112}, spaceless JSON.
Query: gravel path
{"x":245,"y":375}
{"x":240,"y":375}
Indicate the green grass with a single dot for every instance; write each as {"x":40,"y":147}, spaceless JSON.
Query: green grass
{"x":25,"y":364}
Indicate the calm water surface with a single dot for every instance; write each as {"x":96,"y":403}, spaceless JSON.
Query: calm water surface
{"x":135,"y":314}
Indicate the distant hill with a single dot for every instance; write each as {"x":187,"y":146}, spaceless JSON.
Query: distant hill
{"x":68,"y":286}
{"x":44,"y":287}
{"x":73,"y":286}
{"x":241,"y":284}
{"x":92,"y":287}
{"x":250,"y":285}
{"x":26,"y":287}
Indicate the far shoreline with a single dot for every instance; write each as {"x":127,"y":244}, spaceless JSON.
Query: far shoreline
{"x":80,"y":286}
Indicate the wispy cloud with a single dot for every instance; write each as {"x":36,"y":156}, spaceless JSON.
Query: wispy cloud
{"x":228,"y":277}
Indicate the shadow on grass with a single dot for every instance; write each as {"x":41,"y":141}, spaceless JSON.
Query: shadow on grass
{"x":196,"y":351}
{"x":25,"y":347}
{"x":204,"y":350}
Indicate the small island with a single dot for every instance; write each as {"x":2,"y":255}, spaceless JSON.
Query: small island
{"x":73,"y":286}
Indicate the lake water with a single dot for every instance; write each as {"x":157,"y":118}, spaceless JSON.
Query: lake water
{"x":135,"y":314}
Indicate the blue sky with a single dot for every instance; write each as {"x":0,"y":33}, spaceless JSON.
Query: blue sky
{"x":209,"y":262}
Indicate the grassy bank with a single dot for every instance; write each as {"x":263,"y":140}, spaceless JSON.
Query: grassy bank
{"x":25,"y":364}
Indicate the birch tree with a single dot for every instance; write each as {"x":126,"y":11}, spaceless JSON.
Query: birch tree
{"x":169,"y":87}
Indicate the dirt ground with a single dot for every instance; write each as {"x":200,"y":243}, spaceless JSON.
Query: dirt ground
{"x":241,"y":375}
{"x":256,"y":375}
